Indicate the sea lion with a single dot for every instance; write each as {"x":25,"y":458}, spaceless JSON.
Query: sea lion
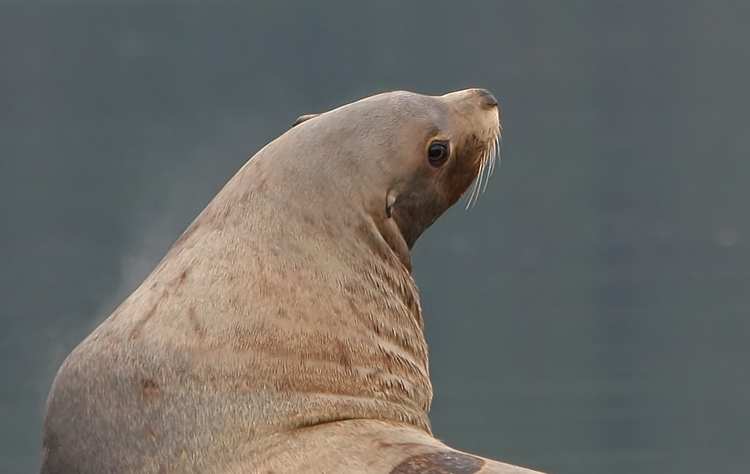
{"x":283,"y":332}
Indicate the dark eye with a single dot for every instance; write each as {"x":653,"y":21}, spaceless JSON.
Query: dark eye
{"x":438,"y":153}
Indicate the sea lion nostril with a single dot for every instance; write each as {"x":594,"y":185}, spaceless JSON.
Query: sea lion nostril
{"x":489,"y":99}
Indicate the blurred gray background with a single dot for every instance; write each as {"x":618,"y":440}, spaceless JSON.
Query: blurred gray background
{"x":589,"y":315}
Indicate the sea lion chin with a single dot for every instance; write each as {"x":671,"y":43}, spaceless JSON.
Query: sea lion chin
{"x":283,"y":331}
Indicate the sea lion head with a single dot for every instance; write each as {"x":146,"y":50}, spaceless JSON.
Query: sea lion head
{"x":405,"y":158}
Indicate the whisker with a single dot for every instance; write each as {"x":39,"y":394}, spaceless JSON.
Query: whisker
{"x":480,"y":177}
{"x":491,"y":156}
{"x":471,"y":194}
{"x":487,"y":162}
{"x":496,"y":152}
{"x":489,"y":159}
{"x":482,"y":181}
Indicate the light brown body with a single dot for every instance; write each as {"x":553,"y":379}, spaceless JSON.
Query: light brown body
{"x":283,"y":332}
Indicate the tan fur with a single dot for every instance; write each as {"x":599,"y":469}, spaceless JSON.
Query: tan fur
{"x":284,"y":310}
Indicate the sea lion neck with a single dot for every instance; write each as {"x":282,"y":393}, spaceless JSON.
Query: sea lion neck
{"x":391,"y":234}
{"x":312,"y":239}
{"x":364,"y":342}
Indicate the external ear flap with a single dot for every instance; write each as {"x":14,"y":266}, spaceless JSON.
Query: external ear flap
{"x":390,"y":200}
{"x":304,"y":118}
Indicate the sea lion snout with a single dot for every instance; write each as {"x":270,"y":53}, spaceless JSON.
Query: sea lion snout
{"x":487,"y":97}
{"x":472,"y":98}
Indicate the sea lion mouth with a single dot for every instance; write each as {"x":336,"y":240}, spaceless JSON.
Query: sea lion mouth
{"x":488,"y":160}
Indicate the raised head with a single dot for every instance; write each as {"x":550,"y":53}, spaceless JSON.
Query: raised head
{"x":402,"y":158}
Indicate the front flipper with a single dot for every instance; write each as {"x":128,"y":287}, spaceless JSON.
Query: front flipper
{"x":363,"y":446}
